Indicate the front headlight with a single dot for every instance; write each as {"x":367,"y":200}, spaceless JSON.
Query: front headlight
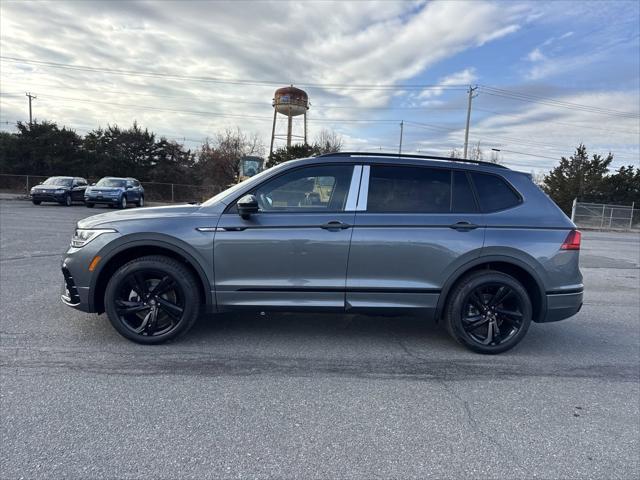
{"x":59,"y":191}
{"x":83,"y":236}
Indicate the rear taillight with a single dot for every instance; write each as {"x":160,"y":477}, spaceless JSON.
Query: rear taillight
{"x":572,"y":242}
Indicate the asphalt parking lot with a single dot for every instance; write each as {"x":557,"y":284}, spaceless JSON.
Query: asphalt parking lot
{"x":311,"y":396}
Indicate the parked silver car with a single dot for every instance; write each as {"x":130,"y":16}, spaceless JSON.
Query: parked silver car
{"x":475,"y":246}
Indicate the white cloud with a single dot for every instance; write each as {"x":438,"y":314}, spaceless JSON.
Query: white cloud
{"x":536,"y":55}
{"x":463,"y":77}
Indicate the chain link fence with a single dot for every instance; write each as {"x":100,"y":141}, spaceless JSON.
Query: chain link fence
{"x":153,"y":191}
{"x":605,"y":216}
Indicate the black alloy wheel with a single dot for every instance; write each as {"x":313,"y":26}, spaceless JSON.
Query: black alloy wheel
{"x":152,"y":299}
{"x":489,"y":312}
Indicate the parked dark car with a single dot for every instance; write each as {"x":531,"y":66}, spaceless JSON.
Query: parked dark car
{"x":62,"y":190}
{"x":476,"y":246}
{"x":115,"y":191}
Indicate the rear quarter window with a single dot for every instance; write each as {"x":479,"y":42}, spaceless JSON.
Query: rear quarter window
{"x":494,"y":193}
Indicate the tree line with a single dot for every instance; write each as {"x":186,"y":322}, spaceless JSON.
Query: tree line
{"x":45,"y":149}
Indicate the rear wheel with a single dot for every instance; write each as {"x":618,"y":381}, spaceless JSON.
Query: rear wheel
{"x":90,"y":205}
{"x":152,"y":299}
{"x":488,"y":312}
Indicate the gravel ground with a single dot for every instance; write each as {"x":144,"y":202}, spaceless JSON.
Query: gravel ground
{"x":310,"y":396}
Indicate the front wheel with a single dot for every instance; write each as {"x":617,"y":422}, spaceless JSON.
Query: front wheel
{"x":152,"y":299}
{"x":90,"y":205}
{"x":36,"y":202}
{"x":67,"y":200}
{"x":141,"y":201}
{"x":123,"y":202}
{"x":488,"y":312}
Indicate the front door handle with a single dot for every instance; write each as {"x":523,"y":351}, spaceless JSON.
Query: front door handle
{"x":463,"y":226}
{"x":335,"y":225}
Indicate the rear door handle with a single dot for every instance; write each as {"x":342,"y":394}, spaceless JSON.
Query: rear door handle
{"x":335,"y":225}
{"x":462,"y":226}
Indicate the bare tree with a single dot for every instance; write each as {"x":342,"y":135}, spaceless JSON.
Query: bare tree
{"x":219,"y":160}
{"x":476,"y":152}
{"x":455,"y":153}
{"x":329,"y":141}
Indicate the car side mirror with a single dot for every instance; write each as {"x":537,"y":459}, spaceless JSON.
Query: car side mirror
{"x":247,"y":206}
{"x":129,"y":187}
{"x":93,"y":184}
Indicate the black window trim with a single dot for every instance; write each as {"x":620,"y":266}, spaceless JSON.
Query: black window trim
{"x":231,"y":207}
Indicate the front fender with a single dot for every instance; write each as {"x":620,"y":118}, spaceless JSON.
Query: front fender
{"x":197,"y":256}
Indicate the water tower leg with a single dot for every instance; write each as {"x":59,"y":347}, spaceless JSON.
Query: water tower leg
{"x":273,"y":131}
{"x":289,"y":128}
{"x":305,"y":128}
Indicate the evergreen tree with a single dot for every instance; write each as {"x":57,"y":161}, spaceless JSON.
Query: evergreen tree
{"x":578,"y":177}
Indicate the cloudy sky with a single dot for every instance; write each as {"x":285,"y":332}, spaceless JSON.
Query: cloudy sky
{"x":549,"y":75}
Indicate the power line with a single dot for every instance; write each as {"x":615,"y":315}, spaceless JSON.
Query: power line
{"x":146,"y":73}
{"x":555,"y":122}
{"x":555,"y":103}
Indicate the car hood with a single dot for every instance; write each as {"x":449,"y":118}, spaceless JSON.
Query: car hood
{"x":137,"y":214}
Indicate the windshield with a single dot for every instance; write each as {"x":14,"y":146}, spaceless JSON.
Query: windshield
{"x":111,"y":182}
{"x":229,"y":191}
{"x":61,"y":181}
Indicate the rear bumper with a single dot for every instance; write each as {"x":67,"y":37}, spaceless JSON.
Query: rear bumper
{"x":562,"y":305}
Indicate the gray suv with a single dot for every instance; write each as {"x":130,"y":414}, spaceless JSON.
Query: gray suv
{"x":475,"y":246}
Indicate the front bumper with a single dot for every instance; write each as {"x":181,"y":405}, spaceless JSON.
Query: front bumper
{"x":562,"y":305}
{"x":102,"y":199}
{"x":48,"y":197}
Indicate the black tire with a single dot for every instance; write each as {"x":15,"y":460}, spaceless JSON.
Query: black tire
{"x":176,"y":307}
{"x":122,"y":204}
{"x":140,"y":202}
{"x":90,"y":205}
{"x":67,"y":202}
{"x":36,"y":202}
{"x":488,"y":301}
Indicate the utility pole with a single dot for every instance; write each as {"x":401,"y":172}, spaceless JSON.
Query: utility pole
{"x":466,"y":131}
{"x":401,"y":130}
{"x":31,"y":97}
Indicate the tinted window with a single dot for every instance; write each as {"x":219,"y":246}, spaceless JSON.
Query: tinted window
{"x":81,"y":182}
{"x":462,"y":201}
{"x":321,"y":188}
{"x":58,"y":181}
{"x":409,"y":189}
{"x":493,"y":192}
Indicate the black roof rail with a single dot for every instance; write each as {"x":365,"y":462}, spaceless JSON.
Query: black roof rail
{"x":410,"y":155}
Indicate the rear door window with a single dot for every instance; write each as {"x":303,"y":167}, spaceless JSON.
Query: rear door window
{"x":493,"y":192}
{"x":405,"y":189}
